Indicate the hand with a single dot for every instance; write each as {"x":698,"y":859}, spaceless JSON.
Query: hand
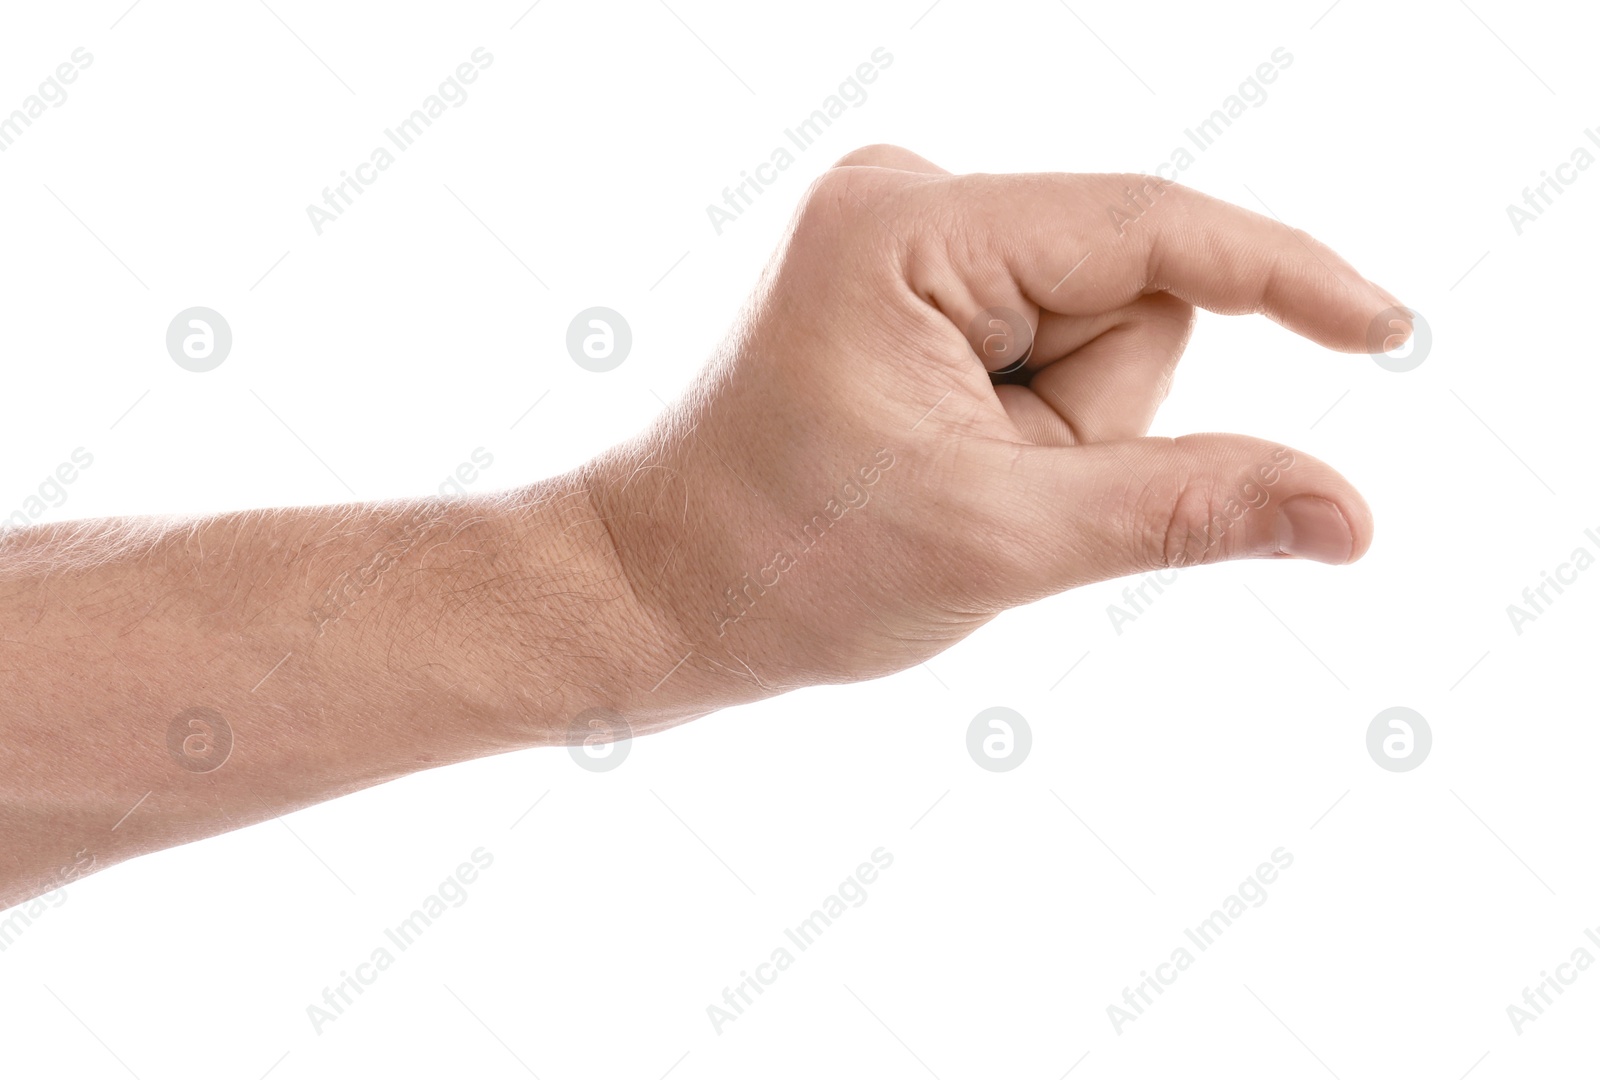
{"x":846,"y":492}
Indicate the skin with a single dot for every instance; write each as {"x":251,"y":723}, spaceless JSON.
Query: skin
{"x":844,"y":493}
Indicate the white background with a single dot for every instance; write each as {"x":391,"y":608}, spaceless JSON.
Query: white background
{"x":1227,"y":721}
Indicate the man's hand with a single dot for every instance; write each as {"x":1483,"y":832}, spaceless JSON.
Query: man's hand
{"x":846,"y":492}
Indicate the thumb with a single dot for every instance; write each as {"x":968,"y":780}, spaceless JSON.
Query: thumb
{"x":1136,"y":505}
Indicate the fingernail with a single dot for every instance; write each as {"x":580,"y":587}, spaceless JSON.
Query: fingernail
{"x":1313,"y":528}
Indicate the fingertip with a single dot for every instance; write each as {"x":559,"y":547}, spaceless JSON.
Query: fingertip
{"x":1392,"y":325}
{"x":1359,"y":515}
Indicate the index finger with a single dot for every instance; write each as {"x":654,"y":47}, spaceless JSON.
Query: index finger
{"x":1080,"y":244}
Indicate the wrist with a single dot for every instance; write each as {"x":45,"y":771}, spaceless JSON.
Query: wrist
{"x":579,"y":633}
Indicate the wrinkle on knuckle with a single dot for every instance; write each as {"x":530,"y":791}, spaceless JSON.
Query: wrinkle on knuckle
{"x":1187,"y":537}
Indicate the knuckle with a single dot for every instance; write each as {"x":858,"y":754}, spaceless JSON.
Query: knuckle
{"x":872,"y":154}
{"x":1306,"y":238}
{"x":1194,"y":528}
{"x":1150,"y":184}
{"x":852,"y":201}
{"x":826,"y":203}
{"x":834,"y":189}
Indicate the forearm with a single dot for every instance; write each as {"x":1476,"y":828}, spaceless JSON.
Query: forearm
{"x":335,"y":647}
